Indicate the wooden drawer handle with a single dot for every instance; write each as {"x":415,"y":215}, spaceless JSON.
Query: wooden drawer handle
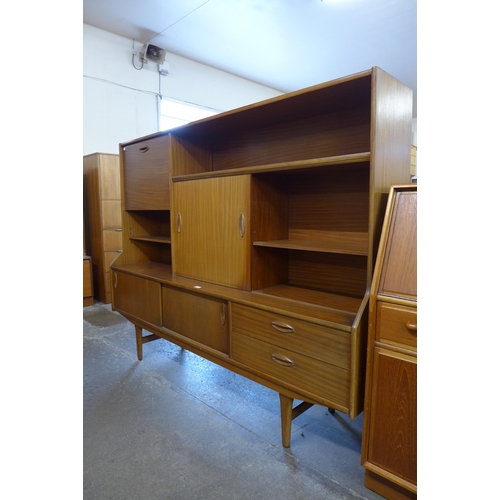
{"x":282,"y":360}
{"x":411,"y":326}
{"x":282,"y":327}
{"x":144,"y":149}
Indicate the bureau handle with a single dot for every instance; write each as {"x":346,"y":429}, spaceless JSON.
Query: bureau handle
{"x":242,"y":225}
{"x":144,"y":149}
{"x":282,"y":327}
{"x":222,"y":314}
{"x":179,"y":222}
{"x":282,"y":360}
{"x":411,"y":326}
{"x":115,"y":279}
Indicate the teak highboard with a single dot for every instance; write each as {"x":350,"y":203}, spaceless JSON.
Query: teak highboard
{"x":249,"y":238}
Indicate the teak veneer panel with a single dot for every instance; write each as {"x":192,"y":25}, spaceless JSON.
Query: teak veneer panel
{"x":275,"y":211}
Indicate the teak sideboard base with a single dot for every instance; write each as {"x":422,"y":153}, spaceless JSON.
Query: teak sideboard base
{"x":281,"y":352}
{"x":249,"y":238}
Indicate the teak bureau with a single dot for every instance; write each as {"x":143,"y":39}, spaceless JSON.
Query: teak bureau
{"x":249,"y":238}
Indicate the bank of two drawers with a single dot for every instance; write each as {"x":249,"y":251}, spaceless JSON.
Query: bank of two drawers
{"x":310,"y":357}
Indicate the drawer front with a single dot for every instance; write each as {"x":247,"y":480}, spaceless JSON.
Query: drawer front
{"x":315,"y":341}
{"x":396,"y":325}
{"x":111,"y":214}
{"x":112,"y":239}
{"x":297,"y":371}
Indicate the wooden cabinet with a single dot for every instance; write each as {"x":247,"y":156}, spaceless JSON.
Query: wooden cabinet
{"x":390,"y":427}
{"x":102,"y":217}
{"x":211,"y":238}
{"x":263,"y":249}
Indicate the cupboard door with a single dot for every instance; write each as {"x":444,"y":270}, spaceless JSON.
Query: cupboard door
{"x":211,"y":233}
{"x":146,"y":169}
{"x":137,"y":297}
{"x":392,"y":444}
{"x":198,"y":317}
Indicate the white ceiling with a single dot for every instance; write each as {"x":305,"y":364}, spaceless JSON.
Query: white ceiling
{"x":283,"y":44}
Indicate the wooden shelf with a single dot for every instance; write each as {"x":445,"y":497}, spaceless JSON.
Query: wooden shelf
{"x":341,"y":242}
{"x":153,"y":239}
{"x":348,"y":307}
{"x":276,"y":167}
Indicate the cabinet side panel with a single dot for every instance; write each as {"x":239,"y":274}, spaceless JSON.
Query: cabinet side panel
{"x":390,"y":147}
{"x":189,"y":157}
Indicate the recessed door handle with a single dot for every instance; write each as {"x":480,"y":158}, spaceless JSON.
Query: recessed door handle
{"x":242,"y":225}
{"x":223,"y":314}
{"x":179,"y":222}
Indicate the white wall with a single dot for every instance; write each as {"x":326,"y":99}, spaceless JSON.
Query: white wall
{"x":120,"y":103}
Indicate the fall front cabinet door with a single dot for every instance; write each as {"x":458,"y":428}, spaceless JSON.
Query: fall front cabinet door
{"x":211,"y":230}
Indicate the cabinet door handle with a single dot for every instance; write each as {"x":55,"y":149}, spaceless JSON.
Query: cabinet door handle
{"x":282,"y":327}
{"x":115,"y":279}
{"x":242,"y":225}
{"x":282,"y":360}
{"x":179,"y":222}
{"x":144,"y":149}
{"x":411,"y":326}
{"x":223,"y":314}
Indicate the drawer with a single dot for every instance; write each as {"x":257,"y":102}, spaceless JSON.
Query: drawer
{"x":316,"y":341}
{"x":396,"y":325}
{"x":111,"y":214}
{"x":112,"y":239}
{"x":297,"y":371}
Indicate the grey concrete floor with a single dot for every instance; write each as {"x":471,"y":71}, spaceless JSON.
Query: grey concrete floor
{"x":175,"y":426}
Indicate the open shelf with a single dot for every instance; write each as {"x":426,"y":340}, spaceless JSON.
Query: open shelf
{"x":153,"y":239}
{"x":342,"y":242}
{"x":277,"y":167}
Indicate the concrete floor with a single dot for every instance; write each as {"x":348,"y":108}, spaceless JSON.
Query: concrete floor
{"x":175,"y":426}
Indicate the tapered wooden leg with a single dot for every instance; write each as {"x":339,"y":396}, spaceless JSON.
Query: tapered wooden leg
{"x":138,"y":341}
{"x":288,"y":413}
{"x":286,"y":420}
